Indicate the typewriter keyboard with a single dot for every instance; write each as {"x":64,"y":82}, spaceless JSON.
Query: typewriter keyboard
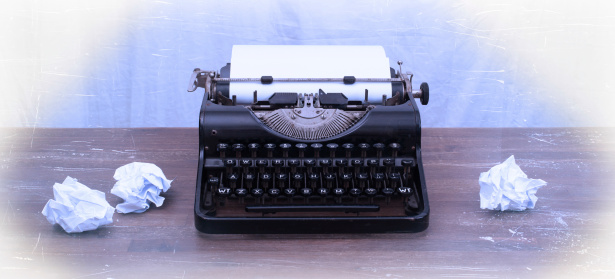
{"x":318,"y":177}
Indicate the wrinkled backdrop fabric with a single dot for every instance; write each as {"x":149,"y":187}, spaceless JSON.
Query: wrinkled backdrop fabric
{"x":127,"y":63}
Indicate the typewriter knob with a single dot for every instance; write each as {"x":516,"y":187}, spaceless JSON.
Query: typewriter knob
{"x":316,"y":147}
{"x":270,"y":147}
{"x":332,"y":147}
{"x":301,"y":147}
{"x":425,"y":93}
{"x":348,"y":147}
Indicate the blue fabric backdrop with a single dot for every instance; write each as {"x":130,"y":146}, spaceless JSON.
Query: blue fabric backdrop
{"x":127,"y":63}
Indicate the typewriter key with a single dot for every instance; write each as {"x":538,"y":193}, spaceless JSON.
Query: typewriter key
{"x":293,"y":163}
{"x":222,"y":148}
{"x":394,"y":149}
{"x":261,"y":164}
{"x":301,"y":147}
{"x":285,"y":147}
{"x":313,"y":178}
{"x":388,"y":192}
{"x":339,"y":193}
{"x":306,"y":192}
{"x":238,"y":147}
{"x":407,"y":165}
{"x":253,"y":149}
{"x":316,"y":147}
{"x":379,"y":147}
{"x":213,"y":181}
{"x":224,"y":192}
{"x":274,"y":192}
{"x":348,"y":147}
{"x":388,"y":163}
{"x":355,"y":193}
{"x":309,"y":163}
{"x":332,"y":147}
{"x":241,"y":193}
{"x":330,"y":179}
{"x":270,"y":147}
{"x":290,"y":192}
{"x":370,"y":193}
{"x":364,"y":147}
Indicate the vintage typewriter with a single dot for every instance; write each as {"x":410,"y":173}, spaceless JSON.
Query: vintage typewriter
{"x":309,"y":162}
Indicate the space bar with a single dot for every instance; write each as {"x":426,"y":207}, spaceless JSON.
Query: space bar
{"x":313,"y":208}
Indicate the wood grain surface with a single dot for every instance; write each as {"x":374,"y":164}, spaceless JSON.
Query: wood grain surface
{"x":569,"y":233}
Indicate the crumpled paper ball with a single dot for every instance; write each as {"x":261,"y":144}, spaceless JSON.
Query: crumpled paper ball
{"x":138,"y":184}
{"x":77,"y":208}
{"x":506,"y":187}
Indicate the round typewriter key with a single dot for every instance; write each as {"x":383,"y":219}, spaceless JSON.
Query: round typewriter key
{"x":238,"y":147}
{"x":230,"y":163}
{"x":364,"y":147}
{"x":348,"y":147}
{"x":298,"y":176}
{"x":379,"y":147}
{"x":370,"y":192}
{"x":405,"y":191}
{"x":309,"y":163}
{"x":274,"y":192}
{"x":339,"y":192}
{"x":245,"y":163}
{"x":301,"y":147}
{"x":306,"y":192}
{"x":257,"y":192}
{"x":332,"y":147}
{"x":341,"y":163}
{"x":223,"y":191}
{"x":253,"y":149}
{"x":222,"y":147}
{"x":355,"y":192}
{"x":241,"y":192}
{"x":285,"y":147}
{"x":213,"y":181}
{"x":356,"y":162}
{"x":388,"y":191}
{"x":316,"y":147}
{"x":290,"y":192}
{"x":323,"y":192}
{"x":394,"y":148}
{"x":269,"y":147}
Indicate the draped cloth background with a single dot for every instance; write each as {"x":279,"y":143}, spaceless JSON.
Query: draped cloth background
{"x":127,"y":63}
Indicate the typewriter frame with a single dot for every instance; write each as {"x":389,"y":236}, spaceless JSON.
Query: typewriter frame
{"x":217,"y":108}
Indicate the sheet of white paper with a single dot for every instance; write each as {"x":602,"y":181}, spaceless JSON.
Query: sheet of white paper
{"x":506,"y":187}
{"x":139,"y":184}
{"x":309,"y":61}
{"x":77,"y":208}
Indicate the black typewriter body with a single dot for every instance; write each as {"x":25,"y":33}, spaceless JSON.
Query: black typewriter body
{"x":309,"y":162}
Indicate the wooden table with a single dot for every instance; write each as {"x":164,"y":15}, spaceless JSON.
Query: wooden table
{"x":569,"y":233}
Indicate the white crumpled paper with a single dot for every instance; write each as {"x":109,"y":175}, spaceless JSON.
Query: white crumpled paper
{"x":506,"y":187}
{"x":139,"y":184}
{"x":77,"y":208}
